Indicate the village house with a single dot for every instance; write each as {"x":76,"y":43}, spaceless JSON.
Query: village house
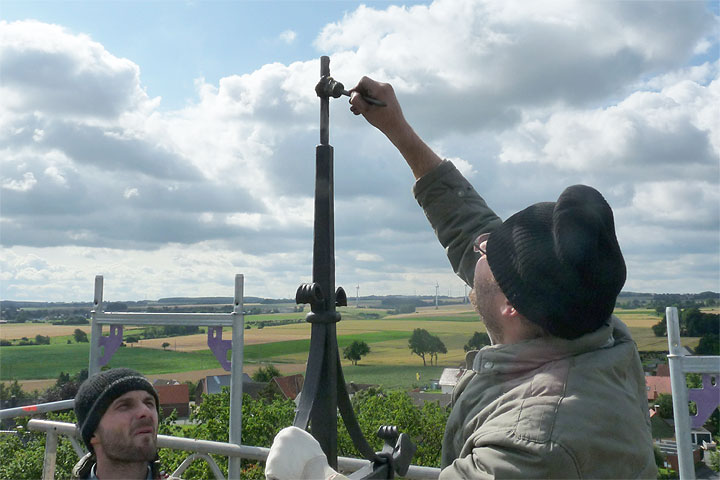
{"x":173,"y":395}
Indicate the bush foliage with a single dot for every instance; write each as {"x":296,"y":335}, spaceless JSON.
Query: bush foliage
{"x":21,"y":456}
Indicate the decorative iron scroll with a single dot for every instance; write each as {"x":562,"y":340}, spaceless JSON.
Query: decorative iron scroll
{"x":324,"y":391}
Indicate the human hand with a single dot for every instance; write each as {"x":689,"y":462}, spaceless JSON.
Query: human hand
{"x":388,"y":119}
{"x":392,"y":123}
{"x":295,"y":454}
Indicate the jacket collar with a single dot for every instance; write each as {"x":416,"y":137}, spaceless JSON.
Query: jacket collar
{"x":93,"y":476}
{"x":531,"y":354}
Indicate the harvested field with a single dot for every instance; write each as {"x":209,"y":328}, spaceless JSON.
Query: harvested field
{"x":191,"y":343}
{"x":436,"y":327}
{"x":31,"y":385}
{"x":444,"y":310}
{"x":14,"y":331}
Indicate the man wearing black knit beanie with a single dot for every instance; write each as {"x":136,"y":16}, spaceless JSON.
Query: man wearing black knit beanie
{"x":560,"y":393}
{"x":117,"y":413}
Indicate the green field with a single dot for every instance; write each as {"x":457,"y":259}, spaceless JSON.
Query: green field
{"x":47,"y":361}
{"x":389,"y":362}
{"x":396,"y":377}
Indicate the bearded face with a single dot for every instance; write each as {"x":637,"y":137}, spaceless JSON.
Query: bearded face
{"x":127,"y":432}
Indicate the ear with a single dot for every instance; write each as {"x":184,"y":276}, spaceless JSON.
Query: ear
{"x":507,"y":310}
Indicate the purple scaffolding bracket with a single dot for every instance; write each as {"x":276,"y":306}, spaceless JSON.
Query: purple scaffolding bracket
{"x":707,"y":399}
{"x":219,"y":346}
{"x":111,"y":343}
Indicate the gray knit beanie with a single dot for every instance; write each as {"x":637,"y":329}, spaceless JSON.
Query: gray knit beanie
{"x":559,"y":263}
{"x":99,"y":391}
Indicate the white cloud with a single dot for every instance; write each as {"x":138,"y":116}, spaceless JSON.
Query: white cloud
{"x":678,"y":202}
{"x":288,"y":36}
{"x":27,"y":183}
{"x":480,"y":61}
{"x":368,"y":257}
{"x":525,"y":98}
{"x":669,"y":130}
{"x":130,"y":193}
{"x":465,"y":167}
{"x":52,"y":71}
{"x":55,"y":174}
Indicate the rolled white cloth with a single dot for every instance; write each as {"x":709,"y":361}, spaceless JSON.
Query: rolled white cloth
{"x":295,"y":454}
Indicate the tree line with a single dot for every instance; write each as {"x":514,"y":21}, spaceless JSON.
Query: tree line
{"x":694,"y":323}
{"x":421,"y":343}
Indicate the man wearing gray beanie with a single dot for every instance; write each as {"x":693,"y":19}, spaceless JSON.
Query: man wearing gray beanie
{"x":117,"y":415}
{"x":561,"y":392}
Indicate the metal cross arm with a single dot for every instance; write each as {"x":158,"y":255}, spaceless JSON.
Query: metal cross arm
{"x":324,"y":392}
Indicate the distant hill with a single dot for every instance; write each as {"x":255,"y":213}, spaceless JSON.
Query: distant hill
{"x":204,"y":300}
{"x":386,"y":300}
{"x":655,"y":300}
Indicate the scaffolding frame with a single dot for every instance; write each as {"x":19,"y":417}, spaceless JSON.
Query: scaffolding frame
{"x":707,"y":398}
{"x":103,"y":347}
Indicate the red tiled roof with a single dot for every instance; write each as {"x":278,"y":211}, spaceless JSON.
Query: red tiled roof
{"x":657,"y":385}
{"x":663,"y":370}
{"x":172,"y":394}
{"x":290,"y":386}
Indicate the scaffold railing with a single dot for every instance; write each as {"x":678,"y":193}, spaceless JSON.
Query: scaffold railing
{"x":706,"y":398}
{"x":200,"y":450}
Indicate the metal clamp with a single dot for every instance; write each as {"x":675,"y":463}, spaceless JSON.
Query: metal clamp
{"x":394,"y":458}
{"x":329,"y":87}
{"x":340,"y":297}
{"x":309,"y":293}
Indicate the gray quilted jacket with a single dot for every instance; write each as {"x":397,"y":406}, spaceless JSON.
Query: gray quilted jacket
{"x":545,"y":408}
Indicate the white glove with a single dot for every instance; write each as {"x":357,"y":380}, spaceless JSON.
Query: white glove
{"x":295,"y":454}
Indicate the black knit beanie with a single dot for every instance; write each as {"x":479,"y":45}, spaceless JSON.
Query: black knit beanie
{"x":99,"y":391}
{"x":559,"y":263}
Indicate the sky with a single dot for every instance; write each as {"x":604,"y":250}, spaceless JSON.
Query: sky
{"x":169,"y":145}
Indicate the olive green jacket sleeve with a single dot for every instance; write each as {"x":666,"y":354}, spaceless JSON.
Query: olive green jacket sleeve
{"x":457,"y":214}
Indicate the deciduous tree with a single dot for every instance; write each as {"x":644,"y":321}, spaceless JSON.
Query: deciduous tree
{"x":422,"y":343}
{"x":265,"y":374}
{"x":709,"y":345}
{"x":436,"y":346}
{"x":477,"y":341}
{"x":80,"y":336}
{"x":355,"y":351}
{"x":419,"y":343}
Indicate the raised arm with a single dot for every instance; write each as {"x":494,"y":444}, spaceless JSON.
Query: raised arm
{"x":453,"y":207}
{"x":391,"y":121}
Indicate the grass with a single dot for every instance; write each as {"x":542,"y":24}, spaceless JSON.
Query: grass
{"x":389,"y":362}
{"x":289,"y":349}
{"x":403,"y":377}
{"x":47,"y":361}
{"x":31,"y":362}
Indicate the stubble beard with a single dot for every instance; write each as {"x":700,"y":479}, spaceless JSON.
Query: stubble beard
{"x":481,"y":297}
{"x":121,"y":448}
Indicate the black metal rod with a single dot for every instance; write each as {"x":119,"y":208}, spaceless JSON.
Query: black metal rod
{"x":324,"y":104}
{"x":324,"y":389}
{"x":323,"y":424}
{"x":324,"y":229}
